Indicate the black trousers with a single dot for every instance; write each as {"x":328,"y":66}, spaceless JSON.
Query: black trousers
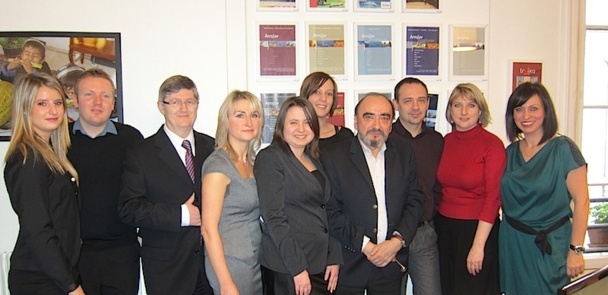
{"x":276,"y":283}
{"x":23,"y":282}
{"x":110,"y":271}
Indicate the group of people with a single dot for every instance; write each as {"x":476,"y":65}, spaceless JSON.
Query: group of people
{"x":318,"y":211}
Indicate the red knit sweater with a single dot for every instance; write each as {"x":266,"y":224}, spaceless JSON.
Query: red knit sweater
{"x":470,"y":169}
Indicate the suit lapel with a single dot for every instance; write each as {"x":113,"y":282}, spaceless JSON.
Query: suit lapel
{"x":170,"y":157}
{"x":358,"y":158}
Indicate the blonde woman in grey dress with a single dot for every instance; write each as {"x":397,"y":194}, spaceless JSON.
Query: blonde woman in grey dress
{"x":230,"y":212}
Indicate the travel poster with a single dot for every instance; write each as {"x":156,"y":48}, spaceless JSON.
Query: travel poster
{"x":374,"y":47}
{"x":468,"y":51}
{"x":337,"y":4}
{"x":277,"y":50}
{"x":271,"y":103}
{"x":526,"y":72}
{"x":326,"y":49}
{"x":338,"y":117}
{"x":422,"y":51}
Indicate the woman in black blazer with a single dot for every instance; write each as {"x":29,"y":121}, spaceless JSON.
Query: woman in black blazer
{"x":298,"y":256}
{"x":42,"y":187}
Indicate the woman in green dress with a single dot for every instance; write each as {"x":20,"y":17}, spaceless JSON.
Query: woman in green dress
{"x":541,"y":237}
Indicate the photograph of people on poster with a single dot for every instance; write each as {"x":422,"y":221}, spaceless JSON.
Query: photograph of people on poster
{"x":526,"y":72}
{"x":374,"y":5}
{"x":277,"y":50}
{"x":271,"y":102}
{"x":422,"y":5}
{"x":337,"y":118}
{"x":326,"y":49}
{"x":374,"y":50}
{"x":332,"y":5}
{"x":61,"y":54}
{"x":422,"y":51}
{"x":468,"y":52}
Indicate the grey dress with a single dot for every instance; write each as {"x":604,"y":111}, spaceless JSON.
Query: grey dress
{"x":239,"y":227}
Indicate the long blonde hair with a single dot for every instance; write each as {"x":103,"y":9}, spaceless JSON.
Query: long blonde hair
{"x":24,"y":139}
{"x":221,"y":134}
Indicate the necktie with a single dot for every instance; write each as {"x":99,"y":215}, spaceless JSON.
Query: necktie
{"x":189,"y":158}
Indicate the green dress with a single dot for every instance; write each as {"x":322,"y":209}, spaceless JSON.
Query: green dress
{"x":535,"y":194}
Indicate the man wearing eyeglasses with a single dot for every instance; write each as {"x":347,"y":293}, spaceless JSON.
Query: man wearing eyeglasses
{"x":109,"y":258}
{"x":161,"y":194}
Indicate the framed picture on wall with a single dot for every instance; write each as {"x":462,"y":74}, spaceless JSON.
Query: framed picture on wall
{"x":338,"y":117}
{"x":468,"y":54}
{"x":327,"y":5}
{"x":277,"y":51}
{"x":326,"y":49}
{"x":374,"y":5}
{"x":63,"y":55}
{"x":278,"y":5}
{"x":271,"y":103}
{"x":374,"y":52}
{"x":361,"y":93}
{"x":525,"y":72}
{"x":428,"y":6}
{"x":422,"y":45}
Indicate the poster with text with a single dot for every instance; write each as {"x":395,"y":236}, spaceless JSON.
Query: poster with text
{"x":271,"y":103}
{"x":362,"y":93}
{"x":326,"y":49}
{"x":468,"y":51}
{"x":374,"y":50}
{"x":526,"y":72}
{"x":277,"y":50}
{"x":338,"y":117}
{"x":422,"y":51}
{"x":421,"y":5}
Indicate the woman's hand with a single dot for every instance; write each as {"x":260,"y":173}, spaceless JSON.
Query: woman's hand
{"x":77,"y":291}
{"x":302,"y":283}
{"x":331,"y":276}
{"x":475,"y":260}
{"x":229,"y":289}
{"x":575,"y":264}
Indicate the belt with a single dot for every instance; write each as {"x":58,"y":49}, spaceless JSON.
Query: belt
{"x":423,"y":223}
{"x":541,"y":235}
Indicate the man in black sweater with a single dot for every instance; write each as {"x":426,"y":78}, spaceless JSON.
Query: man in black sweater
{"x":109,"y":259}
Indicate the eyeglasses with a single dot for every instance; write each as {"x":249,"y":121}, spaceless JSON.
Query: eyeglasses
{"x":178,"y":103}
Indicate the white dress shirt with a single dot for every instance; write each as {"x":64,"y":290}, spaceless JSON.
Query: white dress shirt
{"x":377,"y":171}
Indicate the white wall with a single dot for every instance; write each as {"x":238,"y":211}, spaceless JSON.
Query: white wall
{"x":207,"y":41}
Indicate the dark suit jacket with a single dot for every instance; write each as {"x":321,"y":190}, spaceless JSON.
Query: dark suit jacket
{"x":46,"y":204}
{"x":353,"y":206}
{"x":295,"y":231}
{"x":155,"y":185}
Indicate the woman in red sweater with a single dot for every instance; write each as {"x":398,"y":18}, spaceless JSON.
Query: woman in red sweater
{"x":470,"y":169}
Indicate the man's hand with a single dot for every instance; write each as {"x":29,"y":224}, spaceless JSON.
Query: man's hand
{"x":302,"y":283}
{"x":384,"y":252}
{"x":195,"y":214}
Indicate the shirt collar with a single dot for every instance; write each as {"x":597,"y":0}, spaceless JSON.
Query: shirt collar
{"x":177,"y":140}
{"x":109,"y":128}
{"x":368,"y":152}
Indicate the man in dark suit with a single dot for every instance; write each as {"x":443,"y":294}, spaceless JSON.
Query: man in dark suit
{"x":161,"y":194}
{"x":376,"y":204}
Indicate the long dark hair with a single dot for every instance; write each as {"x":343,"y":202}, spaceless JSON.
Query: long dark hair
{"x":520,"y":95}
{"x":279,"y":139}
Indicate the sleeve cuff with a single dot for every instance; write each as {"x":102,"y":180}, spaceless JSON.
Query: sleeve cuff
{"x":185,"y":216}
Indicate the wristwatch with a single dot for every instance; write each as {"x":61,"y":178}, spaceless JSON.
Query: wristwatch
{"x":578,"y":249}
{"x":398,"y":236}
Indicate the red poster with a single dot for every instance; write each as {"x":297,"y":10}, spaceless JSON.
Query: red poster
{"x":338,"y":117}
{"x":277,"y":50}
{"x":526,"y":72}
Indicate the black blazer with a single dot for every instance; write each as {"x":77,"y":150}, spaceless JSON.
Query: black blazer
{"x":46,"y":204}
{"x":353,"y":205}
{"x":295,"y":229}
{"x":155,"y":185}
